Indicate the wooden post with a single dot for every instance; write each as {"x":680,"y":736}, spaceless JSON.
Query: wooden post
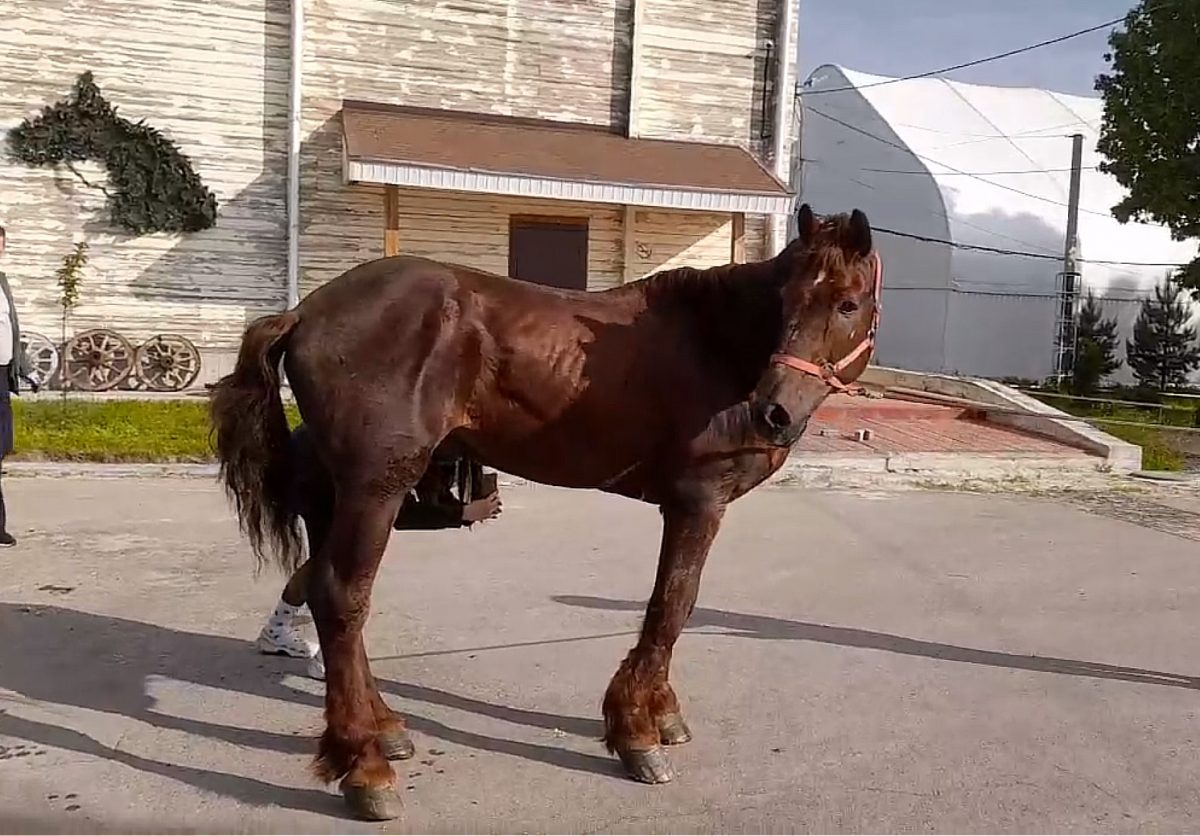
{"x":629,"y":221}
{"x":737,"y":240}
{"x":391,"y":220}
{"x":636,"y":27}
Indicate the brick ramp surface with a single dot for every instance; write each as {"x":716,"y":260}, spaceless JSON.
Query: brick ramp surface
{"x":904,"y":427}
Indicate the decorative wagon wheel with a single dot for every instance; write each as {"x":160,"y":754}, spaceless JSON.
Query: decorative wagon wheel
{"x":43,"y":355}
{"x":167,"y":363}
{"x":97,"y":360}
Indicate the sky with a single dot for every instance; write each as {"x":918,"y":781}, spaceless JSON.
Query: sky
{"x":903,"y":37}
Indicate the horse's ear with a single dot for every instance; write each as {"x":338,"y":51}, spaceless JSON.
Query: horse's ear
{"x":858,"y":235}
{"x":806,"y":224}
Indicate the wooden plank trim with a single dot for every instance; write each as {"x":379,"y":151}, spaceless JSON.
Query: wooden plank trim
{"x":573,"y":221}
{"x":629,"y":239}
{"x":391,"y":221}
{"x":737,"y":239}
{"x":637,"y":25}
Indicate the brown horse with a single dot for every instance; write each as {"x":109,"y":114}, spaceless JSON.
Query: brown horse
{"x":685,"y":389}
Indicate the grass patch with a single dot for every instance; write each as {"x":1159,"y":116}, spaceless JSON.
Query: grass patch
{"x":114,"y":431}
{"x":1160,"y":450}
{"x":178,"y":431}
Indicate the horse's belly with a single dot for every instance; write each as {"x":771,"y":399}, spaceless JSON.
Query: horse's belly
{"x":559,"y":432}
{"x":568,"y":463}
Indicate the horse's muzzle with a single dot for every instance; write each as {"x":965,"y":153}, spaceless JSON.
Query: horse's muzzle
{"x":777,"y":425}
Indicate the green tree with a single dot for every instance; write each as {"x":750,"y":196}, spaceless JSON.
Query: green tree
{"x":1163,"y":351}
{"x":1150,"y":135}
{"x":1096,"y":344}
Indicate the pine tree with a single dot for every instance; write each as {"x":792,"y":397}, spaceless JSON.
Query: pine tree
{"x":1096,"y":346}
{"x":1163,"y":351}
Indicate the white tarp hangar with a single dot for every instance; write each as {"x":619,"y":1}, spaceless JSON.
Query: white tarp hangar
{"x":973,"y":166}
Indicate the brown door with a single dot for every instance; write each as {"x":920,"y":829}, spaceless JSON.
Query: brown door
{"x":549,"y":251}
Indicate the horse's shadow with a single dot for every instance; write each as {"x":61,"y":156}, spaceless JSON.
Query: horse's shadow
{"x":743,"y":625}
{"x":102,"y":663}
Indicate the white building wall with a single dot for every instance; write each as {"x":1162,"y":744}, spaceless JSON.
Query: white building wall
{"x":833,"y":177}
{"x":984,"y":167}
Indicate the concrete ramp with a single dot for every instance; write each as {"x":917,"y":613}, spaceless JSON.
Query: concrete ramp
{"x":950,"y":429}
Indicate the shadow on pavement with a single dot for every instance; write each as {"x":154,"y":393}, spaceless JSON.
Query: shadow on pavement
{"x":102,"y":663}
{"x":246,"y":790}
{"x":781,"y":629}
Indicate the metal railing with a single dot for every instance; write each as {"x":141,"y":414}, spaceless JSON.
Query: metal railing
{"x":1161,"y":409}
{"x":904,"y":393}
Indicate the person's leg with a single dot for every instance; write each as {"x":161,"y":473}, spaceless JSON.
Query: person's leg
{"x":6,"y":539}
{"x":6,"y":447}
{"x":281,"y":634}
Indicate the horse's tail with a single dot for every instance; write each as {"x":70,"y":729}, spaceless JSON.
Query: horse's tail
{"x":251,"y":436}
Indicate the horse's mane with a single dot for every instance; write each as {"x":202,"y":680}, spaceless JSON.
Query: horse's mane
{"x":736,"y":310}
{"x":754,"y":278}
{"x":830,"y":257}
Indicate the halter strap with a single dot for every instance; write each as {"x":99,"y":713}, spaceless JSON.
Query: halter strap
{"x":829,"y":372}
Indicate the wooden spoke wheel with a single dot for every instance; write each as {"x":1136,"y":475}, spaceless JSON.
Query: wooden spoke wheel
{"x":43,"y":355}
{"x":168,"y":363}
{"x":97,"y":360}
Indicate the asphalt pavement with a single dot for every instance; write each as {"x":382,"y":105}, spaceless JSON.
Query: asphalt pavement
{"x":858,"y":661}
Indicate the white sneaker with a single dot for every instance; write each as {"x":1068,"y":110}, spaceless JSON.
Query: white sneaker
{"x":281,"y":635}
{"x":316,"y":667}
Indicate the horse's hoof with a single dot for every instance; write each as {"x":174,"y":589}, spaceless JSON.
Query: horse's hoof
{"x":650,"y":766}
{"x":673,"y":731}
{"x":372,"y":803}
{"x":396,"y":744}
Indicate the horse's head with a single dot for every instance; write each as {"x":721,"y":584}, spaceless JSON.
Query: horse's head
{"x":830,"y":291}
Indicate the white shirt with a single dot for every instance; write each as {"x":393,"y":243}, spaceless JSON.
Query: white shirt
{"x":6,"y":333}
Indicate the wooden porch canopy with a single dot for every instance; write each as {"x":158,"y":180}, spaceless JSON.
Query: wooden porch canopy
{"x":471,"y":152}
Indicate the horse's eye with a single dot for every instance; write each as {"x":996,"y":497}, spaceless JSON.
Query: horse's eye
{"x":847,"y":307}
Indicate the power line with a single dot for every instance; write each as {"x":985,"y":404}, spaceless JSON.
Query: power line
{"x":1018,"y":294}
{"x":1024,"y":136}
{"x":974,"y":173}
{"x":974,"y":63}
{"x":907,"y":150}
{"x":958,"y":245}
{"x":982,"y":137}
{"x":940,"y":214}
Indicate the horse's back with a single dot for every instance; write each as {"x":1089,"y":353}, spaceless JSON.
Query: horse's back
{"x":383,"y":281}
{"x":402,"y":320}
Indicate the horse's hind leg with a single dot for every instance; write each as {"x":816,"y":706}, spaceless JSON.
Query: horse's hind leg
{"x":340,"y":596}
{"x":392,"y":731}
{"x":641,"y":711}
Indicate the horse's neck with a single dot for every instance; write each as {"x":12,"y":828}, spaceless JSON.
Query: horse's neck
{"x":737,"y":316}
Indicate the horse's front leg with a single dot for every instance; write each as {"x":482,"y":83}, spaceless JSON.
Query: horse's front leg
{"x":641,"y":711}
{"x":340,"y":598}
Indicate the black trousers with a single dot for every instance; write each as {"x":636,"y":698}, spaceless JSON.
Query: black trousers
{"x":6,"y":436}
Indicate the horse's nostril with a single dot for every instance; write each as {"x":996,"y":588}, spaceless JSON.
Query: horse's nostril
{"x":778,"y":418}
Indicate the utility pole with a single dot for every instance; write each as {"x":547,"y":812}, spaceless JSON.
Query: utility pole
{"x":1071,"y":250}
{"x":1071,"y":283}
